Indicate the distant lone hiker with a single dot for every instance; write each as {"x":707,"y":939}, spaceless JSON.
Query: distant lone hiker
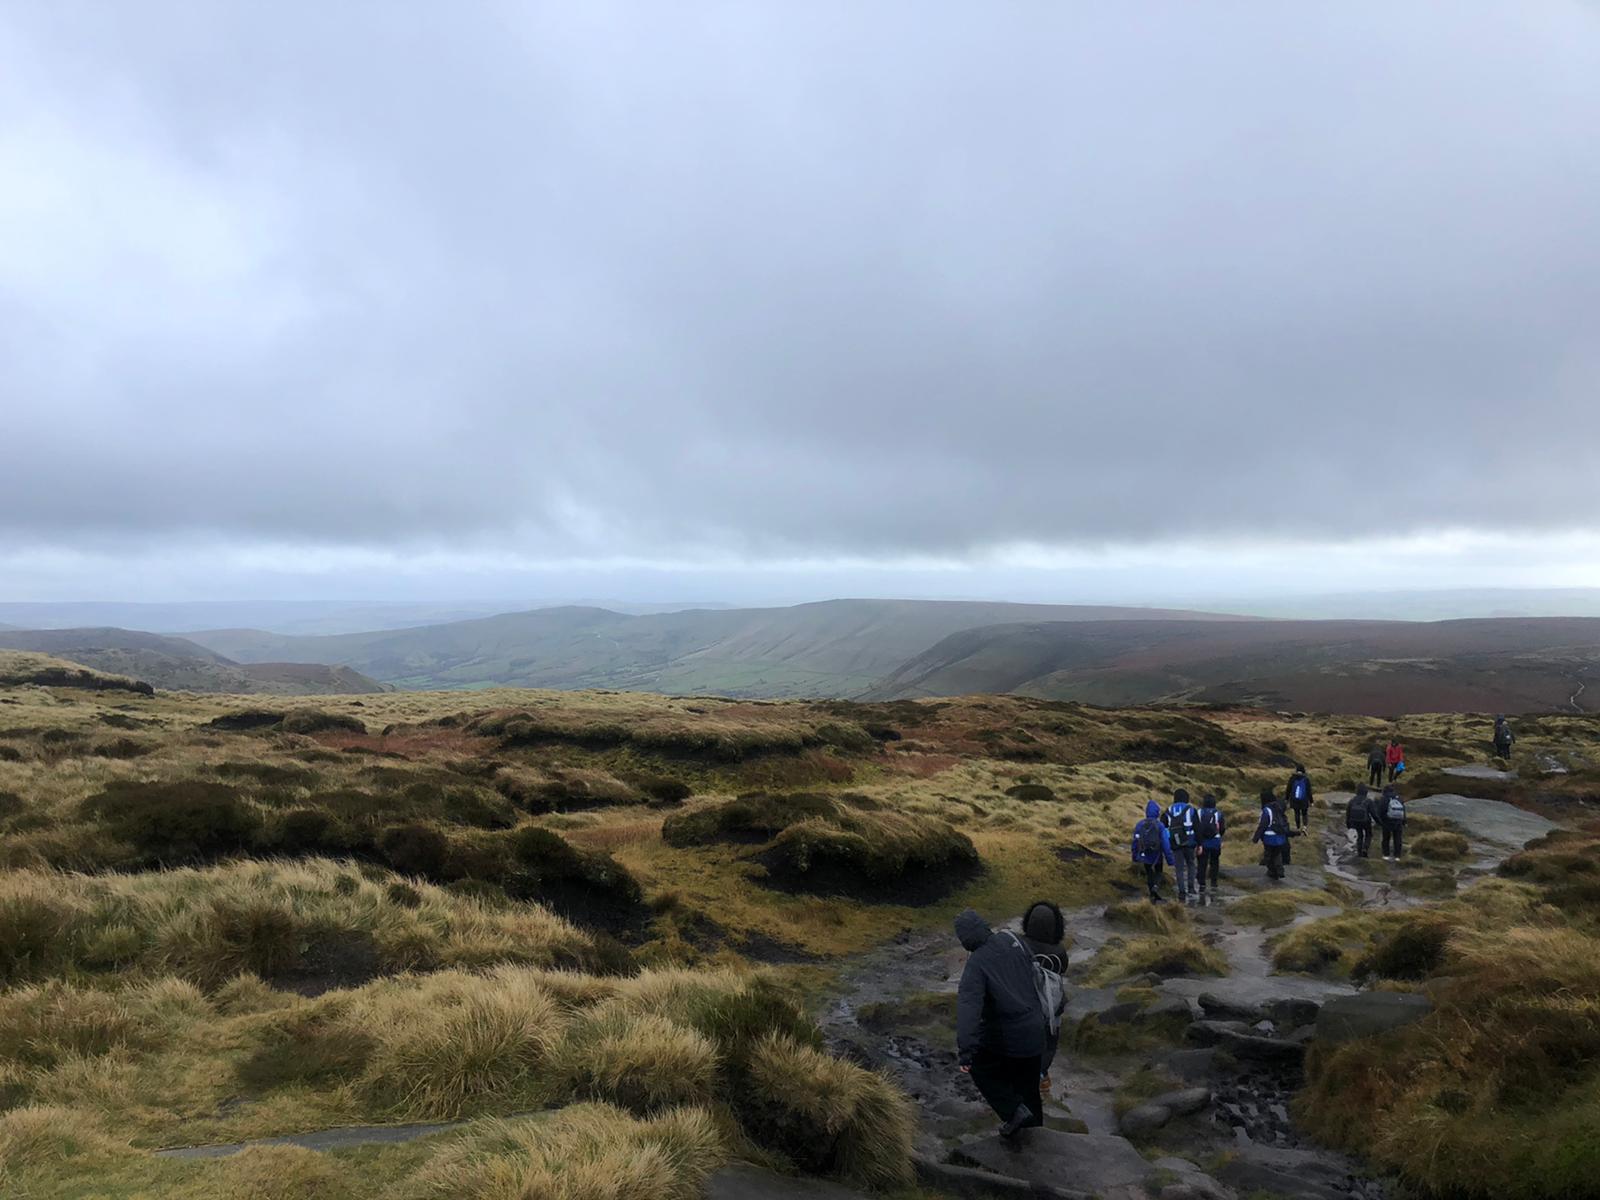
{"x":1503,"y":738}
{"x":1272,"y":831}
{"x":1395,"y":757}
{"x":1358,"y":816}
{"x":1376,"y":761}
{"x":1182,"y":837}
{"x":1001,"y":1033}
{"x":1299,"y":793}
{"x":1152,"y":846}
{"x":1212,"y":826}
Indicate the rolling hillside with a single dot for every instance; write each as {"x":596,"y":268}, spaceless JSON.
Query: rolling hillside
{"x":179,"y":665}
{"x":831,"y":648}
{"x":1371,"y":667}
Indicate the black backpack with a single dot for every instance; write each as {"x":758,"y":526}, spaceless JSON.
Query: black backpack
{"x":1358,"y":813}
{"x":1181,"y":824}
{"x":1210,"y":824}
{"x":1298,"y":787}
{"x":1280,"y":823}
{"x":1149,"y":835}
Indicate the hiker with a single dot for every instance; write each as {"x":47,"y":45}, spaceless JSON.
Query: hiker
{"x":1000,"y":1028}
{"x":1272,"y":831}
{"x":1044,"y":930}
{"x":1395,"y":757}
{"x":1152,"y":845}
{"x":1358,"y":816}
{"x":1503,"y":737}
{"x":1376,"y":761}
{"x":1299,"y":793}
{"x":1182,"y":820}
{"x":1212,"y":826}
{"x":1394,"y":823}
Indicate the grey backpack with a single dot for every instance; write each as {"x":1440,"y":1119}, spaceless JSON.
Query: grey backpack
{"x":1047,"y":985}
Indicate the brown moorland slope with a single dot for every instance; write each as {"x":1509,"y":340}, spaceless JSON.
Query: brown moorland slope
{"x":1376,"y":668}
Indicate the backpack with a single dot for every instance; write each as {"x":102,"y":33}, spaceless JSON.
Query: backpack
{"x":1297,"y":787}
{"x":1148,"y":835}
{"x":1047,"y":986}
{"x":1210,"y":824}
{"x":1358,"y":813}
{"x":1280,"y":823}
{"x":1182,"y":825}
{"x":1396,"y":811}
{"x":1400,"y":768}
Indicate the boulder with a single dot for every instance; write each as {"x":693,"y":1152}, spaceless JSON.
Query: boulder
{"x":1277,"y":1052}
{"x":1120,"y":1014}
{"x":1367,"y":1014}
{"x":1185,"y":1102}
{"x":1291,"y":1011}
{"x":1144,"y":1119}
{"x":1192,"y":1065}
{"x":1169,"y":1008}
{"x":1217,"y":1008}
{"x":1212,"y":1033}
{"x":950,"y":1180}
{"x":752,"y":1183}
{"x":1096,"y":1164}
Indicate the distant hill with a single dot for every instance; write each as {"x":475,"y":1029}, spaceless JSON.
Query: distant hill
{"x":1372,"y":667}
{"x":25,"y":666}
{"x":177,"y":664}
{"x":830,"y":648}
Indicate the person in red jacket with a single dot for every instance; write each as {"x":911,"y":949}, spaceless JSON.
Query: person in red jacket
{"x":1394,"y":756}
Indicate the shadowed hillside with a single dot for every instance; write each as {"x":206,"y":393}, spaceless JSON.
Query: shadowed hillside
{"x":836,"y":647}
{"x":181,"y":665}
{"x":1371,"y":667}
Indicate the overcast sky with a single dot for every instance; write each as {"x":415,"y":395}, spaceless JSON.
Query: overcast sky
{"x":1065,"y":300}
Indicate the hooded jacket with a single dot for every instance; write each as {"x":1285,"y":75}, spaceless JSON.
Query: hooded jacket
{"x":1358,"y":812}
{"x":1183,"y":817}
{"x":1394,"y":754}
{"x":1377,"y":804}
{"x":1376,"y":758}
{"x":1214,"y":843}
{"x":997,"y":1006}
{"x":1263,"y":833}
{"x":1152,"y":812}
{"x":1297,"y":777}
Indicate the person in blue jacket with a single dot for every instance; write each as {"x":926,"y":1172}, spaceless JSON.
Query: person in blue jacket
{"x":1152,"y":846}
{"x":1272,"y":831}
{"x":1212,"y":826}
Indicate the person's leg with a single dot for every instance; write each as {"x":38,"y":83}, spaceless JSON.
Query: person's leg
{"x":995,"y":1080}
{"x":1363,"y":840}
{"x":1299,"y":816}
{"x":1214,"y":859}
{"x":1152,"y":876}
{"x":1388,"y":838}
{"x":1025,"y":1074}
{"x":1183,"y":867}
{"x":1399,"y":840}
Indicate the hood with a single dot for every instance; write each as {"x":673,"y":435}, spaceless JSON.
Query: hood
{"x":1152,"y":810}
{"x":972,"y":929}
{"x":1180,"y":796}
{"x":1209,"y":802}
{"x":1044,"y":924}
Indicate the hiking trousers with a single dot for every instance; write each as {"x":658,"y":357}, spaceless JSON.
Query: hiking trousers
{"x":1375,"y":774}
{"x":1183,"y":868}
{"x":1009,"y":1083}
{"x":1363,"y":839}
{"x":1300,"y":811}
{"x":1275,"y":860}
{"x":1394,"y":772}
{"x":1152,"y":877}
{"x":1210,"y":863}
{"x":1394,"y":833}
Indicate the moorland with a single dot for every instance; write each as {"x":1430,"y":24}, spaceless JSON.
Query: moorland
{"x":603,"y":937}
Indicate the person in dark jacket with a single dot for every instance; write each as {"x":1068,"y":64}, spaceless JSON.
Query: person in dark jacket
{"x":1375,"y":764}
{"x":1393,"y":820}
{"x":1182,"y":820}
{"x":1503,"y":738}
{"x":1272,"y":831}
{"x":1044,"y":930}
{"x":1212,"y":827}
{"x":1152,"y":845}
{"x":1358,"y":816}
{"x":1000,"y":1029}
{"x":1299,"y":794}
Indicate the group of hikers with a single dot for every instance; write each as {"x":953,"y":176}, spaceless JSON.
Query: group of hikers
{"x":1189,"y":839}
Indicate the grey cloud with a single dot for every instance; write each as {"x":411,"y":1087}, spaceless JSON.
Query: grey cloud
{"x":782,"y":279}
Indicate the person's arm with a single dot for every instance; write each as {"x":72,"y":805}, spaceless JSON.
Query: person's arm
{"x":969,"y":1011}
{"x":1261,"y":826}
{"x":1135,"y":843}
{"x":1166,"y":846}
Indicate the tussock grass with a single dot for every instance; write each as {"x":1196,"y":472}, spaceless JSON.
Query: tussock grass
{"x":283,"y":1173}
{"x":1180,"y":952}
{"x":1441,"y":846}
{"x":643,"y":1063}
{"x":1269,"y":909}
{"x":586,"y":1152}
